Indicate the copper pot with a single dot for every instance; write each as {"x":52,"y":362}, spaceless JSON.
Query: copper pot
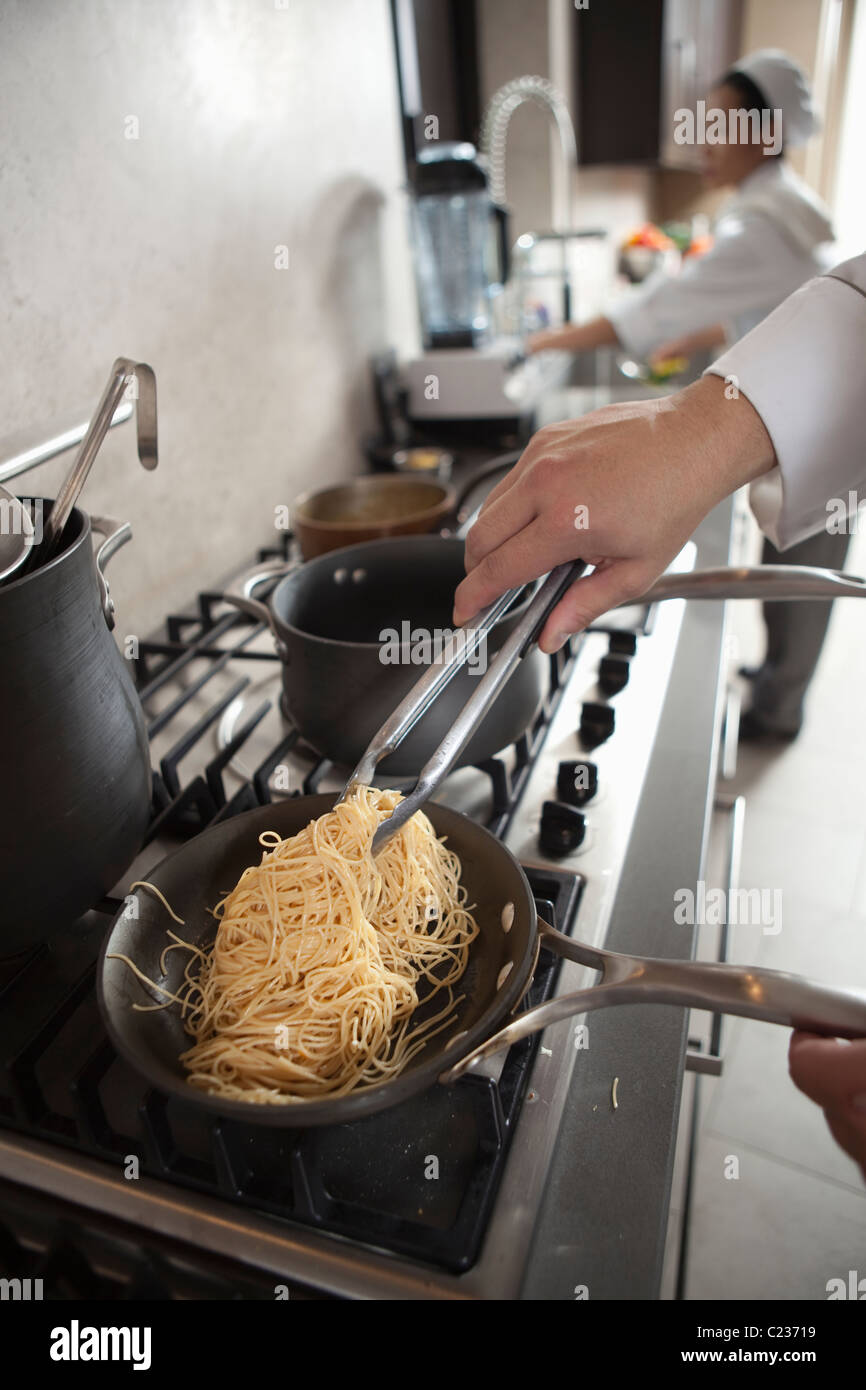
{"x":367,"y":509}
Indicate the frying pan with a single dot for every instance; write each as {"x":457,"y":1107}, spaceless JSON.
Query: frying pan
{"x":501,"y":958}
{"x":501,"y":962}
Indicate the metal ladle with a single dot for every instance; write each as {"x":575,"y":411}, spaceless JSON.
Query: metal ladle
{"x":122,"y":372}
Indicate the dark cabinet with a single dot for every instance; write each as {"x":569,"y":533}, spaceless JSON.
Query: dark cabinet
{"x":637,"y":62}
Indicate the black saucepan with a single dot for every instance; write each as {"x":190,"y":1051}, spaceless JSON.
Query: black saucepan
{"x":328,"y":617}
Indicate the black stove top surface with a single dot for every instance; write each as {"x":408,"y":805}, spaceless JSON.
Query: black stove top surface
{"x":418,"y":1179}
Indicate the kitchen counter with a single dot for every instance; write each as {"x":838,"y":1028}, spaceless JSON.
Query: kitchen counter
{"x":605,"y":1212}
{"x":604,"y":1219}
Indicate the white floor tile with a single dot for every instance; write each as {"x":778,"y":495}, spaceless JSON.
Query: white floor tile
{"x":805,"y":858}
{"x":756,"y":1101}
{"x":772,"y":1233}
{"x":824,"y":787}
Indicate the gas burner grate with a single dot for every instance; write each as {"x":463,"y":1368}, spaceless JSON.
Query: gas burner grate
{"x":63,"y":1083}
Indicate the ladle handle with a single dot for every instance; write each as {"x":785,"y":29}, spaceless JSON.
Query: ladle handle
{"x":121,"y":372}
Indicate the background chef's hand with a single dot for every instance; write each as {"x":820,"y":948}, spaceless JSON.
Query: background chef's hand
{"x":549,"y":338}
{"x":621,"y":489}
{"x":833,"y":1074}
{"x":574,"y":337}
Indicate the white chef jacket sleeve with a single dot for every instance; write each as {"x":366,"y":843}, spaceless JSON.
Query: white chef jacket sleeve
{"x":804,"y":370}
{"x":731,"y":278}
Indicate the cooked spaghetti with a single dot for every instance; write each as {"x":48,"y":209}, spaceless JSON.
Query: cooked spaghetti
{"x":310,"y":986}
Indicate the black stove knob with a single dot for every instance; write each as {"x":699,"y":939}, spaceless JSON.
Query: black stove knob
{"x":622,"y":644}
{"x":613,"y":674}
{"x":562,"y":829}
{"x":577,"y":782}
{"x":596,"y":723}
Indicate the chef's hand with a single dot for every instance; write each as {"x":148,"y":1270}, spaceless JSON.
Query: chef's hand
{"x":574,"y":337}
{"x":621,"y":489}
{"x":833,"y":1074}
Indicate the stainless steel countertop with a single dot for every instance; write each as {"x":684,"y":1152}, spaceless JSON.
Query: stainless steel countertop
{"x":605,"y":1213}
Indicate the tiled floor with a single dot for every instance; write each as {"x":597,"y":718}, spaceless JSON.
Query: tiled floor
{"x":796,"y":1216}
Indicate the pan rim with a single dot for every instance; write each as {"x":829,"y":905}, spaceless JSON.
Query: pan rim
{"x":367,"y":1100}
{"x":70,"y":549}
{"x":280,"y":627}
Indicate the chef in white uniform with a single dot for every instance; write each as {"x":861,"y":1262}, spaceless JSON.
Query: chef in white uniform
{"x":772,"y":236}
{"x":783,"y":411}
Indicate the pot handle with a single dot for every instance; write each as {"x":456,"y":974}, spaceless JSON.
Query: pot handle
{"x":502,"y":463}
{"x":767,"y":582}
{"x":240,"y":592}
{"x":116,"y":534}
{"x":745,"y":991}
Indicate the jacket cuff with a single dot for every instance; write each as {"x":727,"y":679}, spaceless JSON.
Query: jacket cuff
{"x":804,"y":371}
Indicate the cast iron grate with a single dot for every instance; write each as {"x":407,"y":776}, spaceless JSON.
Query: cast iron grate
{"x":367,"y":1181}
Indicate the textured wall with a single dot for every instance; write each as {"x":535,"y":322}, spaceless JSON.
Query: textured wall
{"x":259,"y":124}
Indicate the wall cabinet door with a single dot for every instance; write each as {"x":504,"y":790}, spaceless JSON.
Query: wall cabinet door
{"x":639,"y":61}
{"x":700,"y":41}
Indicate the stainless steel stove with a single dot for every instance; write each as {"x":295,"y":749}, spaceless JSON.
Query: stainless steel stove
{"x":350,"y":1211}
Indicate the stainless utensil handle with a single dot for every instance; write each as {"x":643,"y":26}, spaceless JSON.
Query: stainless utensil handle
{"x":491,"y":683}
{"x":20,"y":454}
{"x":116,"y":534}
{"x":477,"y":477}
{"x":768,"y":582}
{"x":425,"y":690}
{"x":772,"y":996}
{"x":121,"y":372}
{"x":240,"y":591}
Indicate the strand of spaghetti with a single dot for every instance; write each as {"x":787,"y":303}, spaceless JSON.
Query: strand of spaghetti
{"x":171,"y":998}
{"x":152,"y":888}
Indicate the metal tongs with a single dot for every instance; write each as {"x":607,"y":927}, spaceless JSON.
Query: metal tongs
{"x":766,"y":582}
{"x":433,"y":682}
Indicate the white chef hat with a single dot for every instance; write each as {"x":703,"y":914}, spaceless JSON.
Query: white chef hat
{"x":786,"y":88}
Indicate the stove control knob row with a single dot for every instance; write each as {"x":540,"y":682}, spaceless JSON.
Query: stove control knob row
{"x":576,"y":782}
{"x":613,"y":674}
{"x":562,"y":829}
{"x":597,"y":723}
